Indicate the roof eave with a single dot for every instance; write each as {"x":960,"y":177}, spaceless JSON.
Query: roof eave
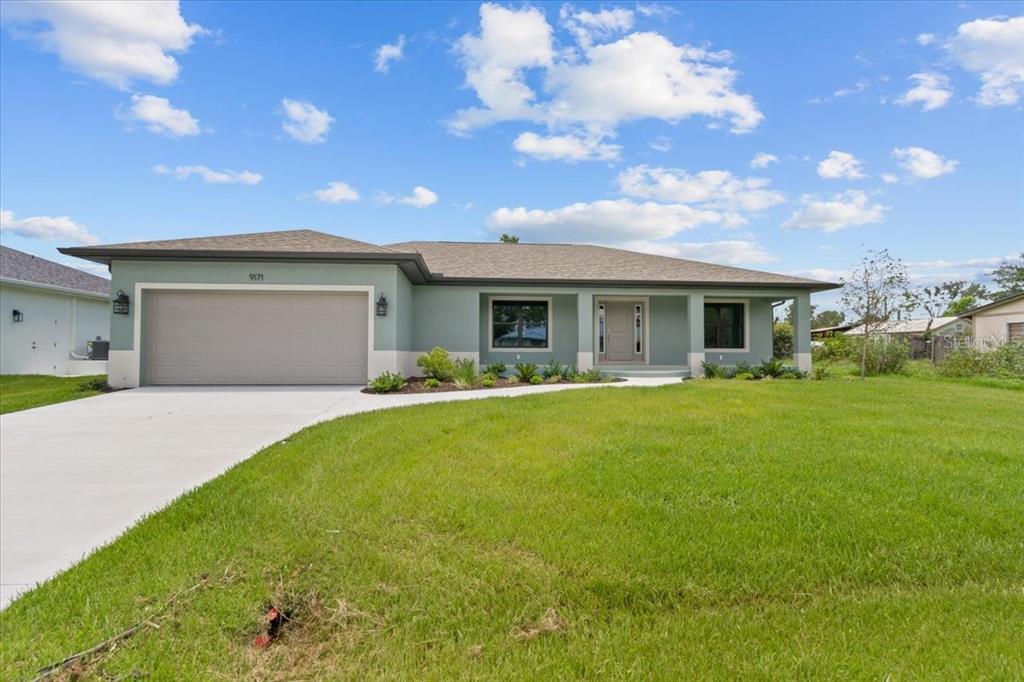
{"x":439,"y":278}
{"x":71,"y":291}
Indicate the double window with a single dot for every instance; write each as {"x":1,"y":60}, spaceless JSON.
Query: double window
{"x":723,"y":325}
{"x":519,"y":324}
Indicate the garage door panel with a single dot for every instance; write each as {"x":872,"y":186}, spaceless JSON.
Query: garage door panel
{"x":207,"y":337}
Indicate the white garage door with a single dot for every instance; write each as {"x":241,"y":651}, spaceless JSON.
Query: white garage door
{"x":216,"y":337}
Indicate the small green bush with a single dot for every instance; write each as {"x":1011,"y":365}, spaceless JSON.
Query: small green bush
{"x":1005,"y":362}
{"x":884,"y":356}
{"x":832,"y":349}
{"x":554,"y":369}
{"x":536,"y":379}
{"x":591,"y":376}
{"x":570,"y":373}
{"x":787,"y":375}
{"x":431,"y":383}
{"x":715,"y":371}
{"x":744,"y":376}
{"x":437,"y":364}
{"x":488,"y":381}
{"x":495,"y":369}
{"x":514,"y":379}
{"x":553,"y":379}
{"x":465,"y":370}
{"x":525,"y":371}
{"x":782,"y":340}
{"x":461,"y":384}
{"x":388,"y":382}
{"x":820,"y":372}
{"x":771,"y":367}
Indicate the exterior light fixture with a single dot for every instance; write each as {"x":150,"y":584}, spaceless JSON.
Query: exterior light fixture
{"x":17,"y":316}
{"x":121,"y":303}
{"x":382,"y":306}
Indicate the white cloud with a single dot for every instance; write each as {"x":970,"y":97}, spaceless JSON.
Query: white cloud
{"x":336,"y":192}
{"x":763,"y":160}
{"x":725,"y":252}
{"x":840,"y":165}
{"x":116,"y":42}
{"x":860,"y":86}
{"x":710,"y":189}
{"x":889,"y":178}
{"x":421,"y":197}
{"x":601,"y":221}
{"x":994,"y":50}
{"x":656,"y":9}
{"x":596,"y":87}
{"x":925,"y":38}
{"x":222,"y":177}
{"x":305,"y":122}
{"x":388,"y":53}
{"x":932,"y":91}
{"x":662,"y":143}
{"x":565,"y":148}
{"x":587,"y":26}
{"x":51,"y":229}
{"x":923,"y":163}
{"x":850,"y":208}
{"x":161,"y":117}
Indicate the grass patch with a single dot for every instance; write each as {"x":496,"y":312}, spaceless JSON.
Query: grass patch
{"x":704,"y":530}
{"x":23,"y":391}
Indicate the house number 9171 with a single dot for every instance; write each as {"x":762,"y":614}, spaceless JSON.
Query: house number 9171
{"x":256,"y":276}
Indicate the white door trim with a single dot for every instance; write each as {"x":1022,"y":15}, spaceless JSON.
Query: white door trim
{"x":136,"y":359}
{"x":646,"y":301}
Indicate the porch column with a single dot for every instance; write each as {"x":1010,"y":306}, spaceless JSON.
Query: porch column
{"x":585,"y":332}
{"x":695,"y":316}
{"x":802,"y":332}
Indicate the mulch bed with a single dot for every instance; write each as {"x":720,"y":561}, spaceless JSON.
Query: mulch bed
{"x":416,"y":385}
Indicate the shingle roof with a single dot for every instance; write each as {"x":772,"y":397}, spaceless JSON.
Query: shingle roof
{"x":579,"y":262}
{"x":994,"y":304}
{"x":908,"y":326}
{"x":24,"y":267}
{"x":284,"y":241}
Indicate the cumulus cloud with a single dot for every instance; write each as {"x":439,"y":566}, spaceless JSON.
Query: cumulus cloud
{"x":661,"y":143}
{"x":48,"y":228}
{"x":932,"y":91}
{"x":565,"y":148}
{"x":597,"y":86}
{"x":222,"y":177}
{"x":116,"y":42}
{"x":851,"y":208}
{"x":725,"y":252}
{"x":305,"y":122}
{"x":994,"y":50}
{"x":605,"y":221}
{"x":923,"y":163}
{"x":925,"y":38}
{"x":388,"y":53}
{"x":840,"y":165}
{"x":421,"y":197}
{"x":710,"y":189}
{"x":763,"y":160}
{"x":161,"y":117}
{"x":336,"y":192}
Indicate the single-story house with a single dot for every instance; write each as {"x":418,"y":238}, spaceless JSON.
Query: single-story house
{"x":822,"y":333}
{"x":49,"y":315}
{"x":300,"y":306}
{"x":997,"y":322}
{"x":949,"y":325}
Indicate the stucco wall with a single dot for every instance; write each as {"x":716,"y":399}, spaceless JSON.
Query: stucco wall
{"x":760,"y":336}
{"x":49,"y":317}
{"x":990,"y":326}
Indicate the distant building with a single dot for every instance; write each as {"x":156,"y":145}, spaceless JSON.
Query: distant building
{"x":49,"y":314}
{"x":997,"y":322}
{"x":908,"y":329}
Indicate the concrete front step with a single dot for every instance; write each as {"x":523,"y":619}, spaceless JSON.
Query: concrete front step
{"x":646,"y":371}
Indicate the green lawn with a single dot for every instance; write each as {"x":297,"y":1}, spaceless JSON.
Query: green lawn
{"x":22,"y":391}
{"x":705,"y":530}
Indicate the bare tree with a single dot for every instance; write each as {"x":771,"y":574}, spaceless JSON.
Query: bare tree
{"x":876,"y":291}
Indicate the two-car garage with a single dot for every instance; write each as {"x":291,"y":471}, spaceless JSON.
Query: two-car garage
{"x":254,"y":337}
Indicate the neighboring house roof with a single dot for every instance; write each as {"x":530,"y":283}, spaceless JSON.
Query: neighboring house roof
{"x":18,"y":267}
{"x":457,"y":262}
{"x":835,"y":328}
{"x":908,"y":326}
{"x":994,"y":304}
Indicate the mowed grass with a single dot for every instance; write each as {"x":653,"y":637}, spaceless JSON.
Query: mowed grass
{"x":704,"y":530}
{"x":22,"y":391}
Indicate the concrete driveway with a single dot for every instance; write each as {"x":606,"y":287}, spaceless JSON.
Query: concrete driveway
{"x":74,"y":476}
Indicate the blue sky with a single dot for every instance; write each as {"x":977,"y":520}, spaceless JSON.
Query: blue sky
{"x":895,"y":125}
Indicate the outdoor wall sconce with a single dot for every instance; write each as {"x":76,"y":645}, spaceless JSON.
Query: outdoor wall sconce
{"x":382,"y":306}
{"x":17,"y":315}
{"x":121,"y":303}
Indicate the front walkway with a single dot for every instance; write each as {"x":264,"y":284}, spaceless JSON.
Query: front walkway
{"x":74,"y":476}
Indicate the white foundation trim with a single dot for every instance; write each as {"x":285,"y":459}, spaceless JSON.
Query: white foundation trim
{"x":584,"y":361}
{"x":696,"y":363}
{"x":803,"y":361}
{"x":129,"y":377}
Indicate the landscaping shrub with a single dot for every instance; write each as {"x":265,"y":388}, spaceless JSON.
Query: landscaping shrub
{"x":431,"y":383}
{"x":512,"y":380}
{"x":525,"y":371}
{"x":570,"y":373}
{"x":782,"y":340}
{"x":884,"y":356}
{"x":833,"y":348}
{"x":462,"y":384}
{"x":536,"y":379}
{"x":554,"y":369}
{"x":744,"y":376}
{"x":437,"y":364}
{"x":1005,"y":362}
{"x":388,"y":382}
{"x":714,"y":371}
{"x":495,"y":369}
{"x":488,"y":381}
{"x":820,"y":372}
{"x":771,"y":367}
{"x":591,"y":376}
{"x":465,"y":371}
{"x":553,"y":379}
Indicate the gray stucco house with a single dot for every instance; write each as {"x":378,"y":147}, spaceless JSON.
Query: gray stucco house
{"x":299,"y":306}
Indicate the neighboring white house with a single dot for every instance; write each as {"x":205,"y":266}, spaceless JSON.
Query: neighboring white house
{"x":940,"y":326}
{"x":48,"y":314}
{"x":998,"y":322}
